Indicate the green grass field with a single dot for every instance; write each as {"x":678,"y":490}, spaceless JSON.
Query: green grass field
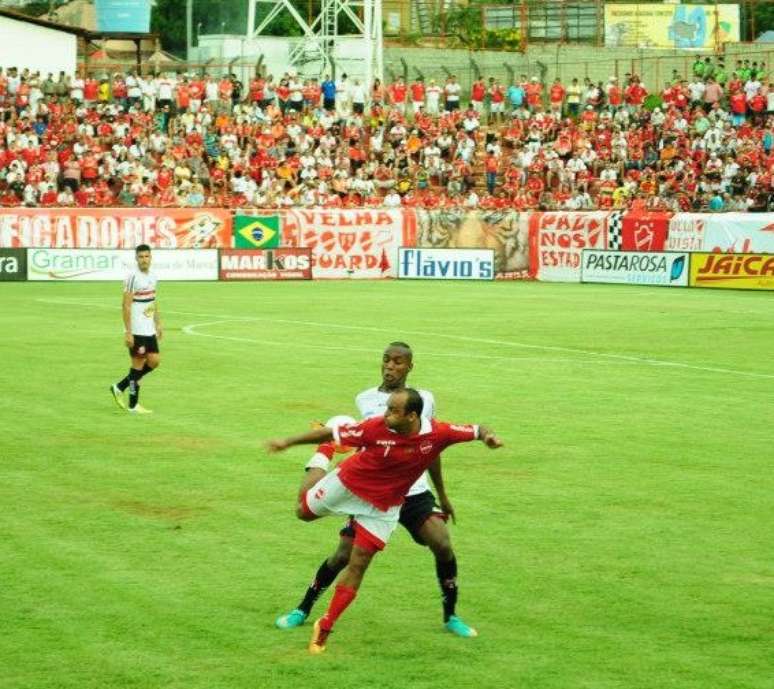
{"x":622,"y":539}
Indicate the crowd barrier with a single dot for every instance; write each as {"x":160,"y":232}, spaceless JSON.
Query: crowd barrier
{"x":701,"y":249}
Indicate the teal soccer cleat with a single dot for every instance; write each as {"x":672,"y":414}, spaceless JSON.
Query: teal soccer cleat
{"x":295,"y":618}
{"x":456,"y":626}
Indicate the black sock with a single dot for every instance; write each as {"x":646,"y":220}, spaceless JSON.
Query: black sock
{"x":145,"y":371}
{"x":447,"y":579}
{"x":325,"y":576}
{"x":134,"y":387}
{"x":124,"y":383}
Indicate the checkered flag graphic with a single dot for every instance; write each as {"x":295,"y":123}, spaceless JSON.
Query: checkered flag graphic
{"x":615,"y":231}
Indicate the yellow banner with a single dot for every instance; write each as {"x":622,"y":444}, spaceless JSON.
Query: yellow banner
{"x":647,"y":25}
{"x":732,"y":271}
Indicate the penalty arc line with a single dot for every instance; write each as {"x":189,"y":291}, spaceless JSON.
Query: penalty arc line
{"x":460,"y":338}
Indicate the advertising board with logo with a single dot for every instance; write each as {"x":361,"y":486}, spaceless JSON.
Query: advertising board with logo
{"x":505,"y":232}
{"x":269,"y":264}
{"x":103,"y":265}
{"x":558,"y":240}
{"x":115,"y":228}
{"x":446,"y":264}
{"x":360,"y":243}
{"x":635,"y":268}
{"x":732,"y":271}
{"x":13,"y":265}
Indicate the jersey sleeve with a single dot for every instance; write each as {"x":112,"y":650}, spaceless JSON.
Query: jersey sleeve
{"x":428,"y":410}
{"x":452,"y":433}
{"x":356,"y":435}
{"x":129,"y":284}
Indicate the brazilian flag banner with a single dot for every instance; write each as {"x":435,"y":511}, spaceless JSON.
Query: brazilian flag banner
{"x":252,"y":232}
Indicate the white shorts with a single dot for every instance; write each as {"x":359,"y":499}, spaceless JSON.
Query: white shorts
{"x":497,"y":107}
{"x":373,"y":527}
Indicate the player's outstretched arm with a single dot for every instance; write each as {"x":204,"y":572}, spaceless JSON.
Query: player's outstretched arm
{"x":486,"y":436}
{"x":313,"y":437}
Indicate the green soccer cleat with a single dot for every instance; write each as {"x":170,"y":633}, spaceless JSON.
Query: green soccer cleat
{"x":117,"y":396}
{"x":138,"y":409}
{"x":456,"y":626}
{"x":295,"y":618}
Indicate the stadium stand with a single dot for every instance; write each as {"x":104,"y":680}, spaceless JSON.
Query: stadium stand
{"x":698,"y":142}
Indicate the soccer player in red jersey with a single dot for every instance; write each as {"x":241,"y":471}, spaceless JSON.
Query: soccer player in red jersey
{"x":370,"y":486}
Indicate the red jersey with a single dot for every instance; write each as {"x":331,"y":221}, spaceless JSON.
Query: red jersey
{"x":387,"y":464}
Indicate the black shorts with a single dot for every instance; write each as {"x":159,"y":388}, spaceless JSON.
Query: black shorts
{"x":416,"y":510}
{"x":144,"y":344}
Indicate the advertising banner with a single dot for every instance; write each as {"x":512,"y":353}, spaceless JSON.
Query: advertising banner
{"x":558,"y":240}
{"x":670,"y":25}
{"x":505,"y":232}
{"x":644,"y":231}
{"x":104,"y":265}
{"x":635,"y":268}
{"x":351,"y":243}
{"x":252,"y":232}
{"x":446,"y":264}
{"x":740,"y":233}
{"x":13,"y":265}
{"x":123,"y":16}
{"x":269,"y":264}
{"x":115,"y":228}
{"x":732,"y":271}
{"x":686,"y":232}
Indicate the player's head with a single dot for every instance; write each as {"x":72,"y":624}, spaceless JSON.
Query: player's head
{"x":143,"y":255}
{"x":404,"y":409}
{"x":397,"y":361}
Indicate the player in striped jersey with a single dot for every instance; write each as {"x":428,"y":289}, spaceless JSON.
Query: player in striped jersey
{"x":142,"y":330}
{"x":419,"y":515}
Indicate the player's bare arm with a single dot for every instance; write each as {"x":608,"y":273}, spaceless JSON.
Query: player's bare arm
{"x":126,"y":310}
{"x":487,"y":436}
{"x":436,"y":476}
{"x":313,"y":437}
{"x":157,"y":320}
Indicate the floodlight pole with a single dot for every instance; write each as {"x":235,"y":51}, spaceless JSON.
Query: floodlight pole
{"x":321,"y":35}
{"x":188,"y":28}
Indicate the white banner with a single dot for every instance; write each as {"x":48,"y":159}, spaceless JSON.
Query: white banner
{"x":635,"y":268}
{"x":106,"y":265}
{"x":560,"y":237}
{"x":446,"y":264}
{"x":739,"y":233}
{"x":354,"y":243}
{"x":686,"y":232}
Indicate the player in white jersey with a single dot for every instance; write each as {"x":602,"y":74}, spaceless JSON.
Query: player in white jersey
{"x":142,"y":330}
{"x":420,"y":514}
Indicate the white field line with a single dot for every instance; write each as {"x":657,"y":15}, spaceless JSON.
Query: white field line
{"x":458,"y":338}
{"x":193,"y":329}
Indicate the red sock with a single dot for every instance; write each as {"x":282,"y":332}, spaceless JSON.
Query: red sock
{"x":343,"y":596}
{"x":327,"y":449}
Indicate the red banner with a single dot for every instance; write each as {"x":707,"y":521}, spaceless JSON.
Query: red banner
{"x":115,"y":228}
{"x":360,"y":243}
{"x":644,"y":231}
{"x":558,"y":240}
{"x":265,"y":264}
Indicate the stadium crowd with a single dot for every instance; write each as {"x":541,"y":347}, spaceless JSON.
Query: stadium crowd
{"x":701,"y":142}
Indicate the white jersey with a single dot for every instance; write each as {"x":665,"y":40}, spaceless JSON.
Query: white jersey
{"x":373,"y":402}
{"x":142,"y":287}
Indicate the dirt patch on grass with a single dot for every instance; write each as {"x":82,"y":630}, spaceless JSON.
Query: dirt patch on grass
{"x":164,"y":512}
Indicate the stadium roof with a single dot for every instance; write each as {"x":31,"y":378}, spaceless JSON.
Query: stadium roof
{"x":78,"y":31}
{"x":20,"y":16}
